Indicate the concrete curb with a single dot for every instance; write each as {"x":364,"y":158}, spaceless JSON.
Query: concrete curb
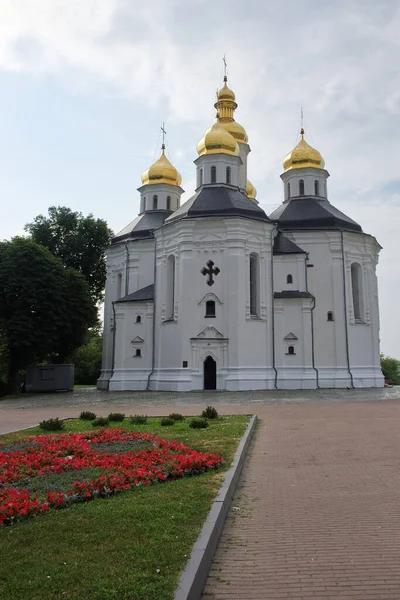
{"x":193,"y":578}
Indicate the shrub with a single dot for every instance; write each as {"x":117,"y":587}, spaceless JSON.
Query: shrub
{"x":86,"y":415}
{"x":138,"y":419}
{"x":52,"y":425}
{"x":166,"y":421}
{"x":198,"y":423}
{"x":176,"y":417}
{"x":210,"y":413}
{"x":116,"y":417}
{"x":100,"y":422}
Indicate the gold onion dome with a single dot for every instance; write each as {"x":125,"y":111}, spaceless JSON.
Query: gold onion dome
{"x":226,"y":106}
{"x":217,"y":140}
{"x":303,"y":155}
{"x":251,"y":190}
{"x":162,"y":171}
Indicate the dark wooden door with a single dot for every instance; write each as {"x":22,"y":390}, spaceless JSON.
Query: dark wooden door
{"x":210,"y":374}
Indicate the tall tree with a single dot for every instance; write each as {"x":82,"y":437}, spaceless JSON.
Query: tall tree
{"x":79,"y":241}
{"x":45,"y":308}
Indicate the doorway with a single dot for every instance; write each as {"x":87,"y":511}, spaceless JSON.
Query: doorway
{"x":210,"y":374}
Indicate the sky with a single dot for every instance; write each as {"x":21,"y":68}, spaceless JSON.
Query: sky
{"x":85,"y":86}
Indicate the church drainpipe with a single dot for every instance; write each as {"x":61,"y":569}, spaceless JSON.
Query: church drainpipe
{"x":127,"y":270}
{"x":113,"y":348}
{"x":273,"y":311}
{"x":345,"y":312}
{"x":312,"y":327}
{"x":153,"y":356}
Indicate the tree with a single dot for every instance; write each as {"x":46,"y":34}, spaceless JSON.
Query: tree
{"x":87,"y":358}
{"x":390,"y":369}
{"x":79,"y":242}
{"x":45,"y":308}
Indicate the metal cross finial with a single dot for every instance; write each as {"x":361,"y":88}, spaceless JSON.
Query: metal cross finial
{"x":164,"y":133}
{"x":210,"y":271}
{"x":225,"y":66}
{"x":302,"y":121}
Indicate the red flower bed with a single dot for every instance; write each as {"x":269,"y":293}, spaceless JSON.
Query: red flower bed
{"x":31,"y":461}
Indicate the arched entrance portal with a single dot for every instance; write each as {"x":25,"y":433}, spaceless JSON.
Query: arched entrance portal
{"x":210,"y":374}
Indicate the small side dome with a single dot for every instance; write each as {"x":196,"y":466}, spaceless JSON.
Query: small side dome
{"x":162,"y":171}
{"x":251,"y":190}
{"x":303,"y":155}
{"x":217,"y":140}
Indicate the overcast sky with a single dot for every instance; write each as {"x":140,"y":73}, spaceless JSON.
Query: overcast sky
{"x":86,"y":84}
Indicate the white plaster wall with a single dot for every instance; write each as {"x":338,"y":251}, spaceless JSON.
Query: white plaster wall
{"x":293,"y":264}
{"x":240,"y":345}
{"x":162,"y":191}
{"x":220,"y":162}
{"x":309,"y":176}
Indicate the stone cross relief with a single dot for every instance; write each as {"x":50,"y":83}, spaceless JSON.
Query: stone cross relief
{"x":210,"y":271}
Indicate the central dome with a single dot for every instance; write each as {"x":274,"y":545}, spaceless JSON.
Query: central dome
{"x":217,"y":140}
{"x":303,"y":155}
{"x":162,"y":171}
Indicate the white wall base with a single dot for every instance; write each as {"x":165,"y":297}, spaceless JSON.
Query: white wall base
{"x":296,"y":378}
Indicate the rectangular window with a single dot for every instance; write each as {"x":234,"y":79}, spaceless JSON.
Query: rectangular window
{"x":47,"y":374}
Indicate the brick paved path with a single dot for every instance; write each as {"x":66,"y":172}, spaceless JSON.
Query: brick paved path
{"x":319,"y":507}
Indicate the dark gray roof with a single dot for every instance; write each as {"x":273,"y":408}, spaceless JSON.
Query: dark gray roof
{"x":216,"y":201}
{"x":143,"y":226}
{"x":146,"y":293}
{"x":293,"y":294}
{"x":282,"y":245}
{"x":312,"y":212}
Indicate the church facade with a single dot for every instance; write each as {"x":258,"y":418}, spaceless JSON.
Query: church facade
{"x":216,"y":294}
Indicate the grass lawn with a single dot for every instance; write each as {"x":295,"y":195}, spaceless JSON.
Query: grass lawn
{"x":77,"y":387}
{"x":131,"y":546}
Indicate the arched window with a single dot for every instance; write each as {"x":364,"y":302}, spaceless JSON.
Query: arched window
{"x":288,"y":190}
{"x":316,"y":187}
{"x":138,"y":352}
{"x":356,"y":286}
{"x":228,"y":174}
{"x":138,"y":319}
{"x":291,"y":350}
{"x":213,"y":174}
{"x":168,"y":202}
{"x":210,"y":308}
{"x":289,"y":279}
{"x":201,"y":176}
{"x":119,"y":286}
{"x":330,"y":316}
{"x":143,"y":204}
{"x":155,"y":202}
{"x":254,"y":285}
{"x":301,"y":187}
{"x":170,"y":287}
{"x":325,"y":189}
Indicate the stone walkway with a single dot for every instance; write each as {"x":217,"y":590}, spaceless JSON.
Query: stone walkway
{"x":317,"y":512}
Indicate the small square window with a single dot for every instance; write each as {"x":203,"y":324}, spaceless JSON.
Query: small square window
{"x":185,"y":364}
{"x":210,"y":308}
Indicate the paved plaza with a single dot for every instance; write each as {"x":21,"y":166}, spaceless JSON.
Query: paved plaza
{"x":317,"y":511}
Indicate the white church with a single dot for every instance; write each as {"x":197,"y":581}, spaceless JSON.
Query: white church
{"x":216,"y":294}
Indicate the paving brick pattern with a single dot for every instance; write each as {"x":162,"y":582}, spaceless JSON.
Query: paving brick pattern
{"x":319,"y":507}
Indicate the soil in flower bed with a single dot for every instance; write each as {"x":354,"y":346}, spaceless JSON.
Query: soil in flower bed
{"x":130,"y":546}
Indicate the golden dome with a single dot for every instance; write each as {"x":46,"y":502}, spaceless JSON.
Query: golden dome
{"x":226,"y":107}
{"x":217,"y":140}
{"x":162,"y":171}
{"x":251,"y":190}
{"x":225,"y":93}
{"x":303,"y":155}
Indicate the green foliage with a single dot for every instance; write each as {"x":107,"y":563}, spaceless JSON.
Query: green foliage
{"x":45,"y":308}
{"x":210,"y":413}
{"x":198,"y":423}
{"x":78,"y":241}
{"x":52,"y":425}
{"x":87,"y":358}
{"x":138,"y":419}
{"x":167,"y":421}
{"x":86,"y":415}
{"x":100,"y":422}
{"x":176,"y":417}
{"x":116,"y":417}
{"x":390,"y":369}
